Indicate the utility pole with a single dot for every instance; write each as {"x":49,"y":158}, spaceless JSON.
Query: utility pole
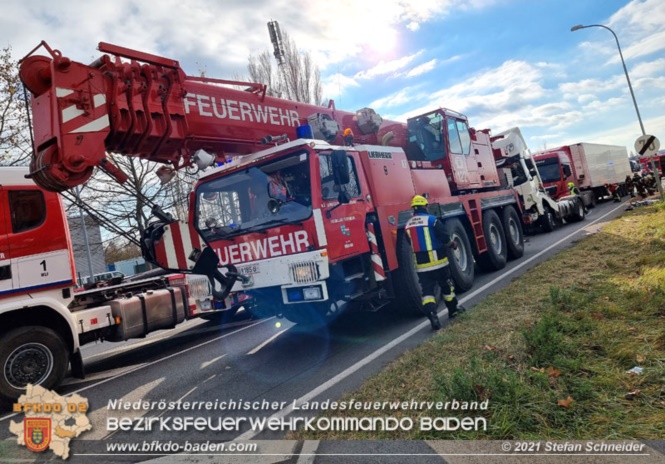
{"x":632,"y":94}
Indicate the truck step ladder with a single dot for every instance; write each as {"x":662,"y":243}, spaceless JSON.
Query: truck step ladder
{"x":477,"y":225}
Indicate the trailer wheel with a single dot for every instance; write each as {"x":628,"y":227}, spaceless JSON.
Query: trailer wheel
{"x":512,"y":225}
{"x":497,"y":252}
{"x":547,"y":221}
{"x":31,"y":355}
{"x":461,"y":259}
{"x":407,"y":286}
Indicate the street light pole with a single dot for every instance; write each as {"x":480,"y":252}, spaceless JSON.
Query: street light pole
{"x":632,"y":94}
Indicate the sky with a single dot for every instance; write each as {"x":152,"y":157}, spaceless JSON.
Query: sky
{"x":502,"y":63}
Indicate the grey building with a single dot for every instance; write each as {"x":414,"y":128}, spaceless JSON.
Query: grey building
{"x":94,"y":241}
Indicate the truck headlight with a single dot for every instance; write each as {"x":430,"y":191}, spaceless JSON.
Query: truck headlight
{"x":304,"y":272}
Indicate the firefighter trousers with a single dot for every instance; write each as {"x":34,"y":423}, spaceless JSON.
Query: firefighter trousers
{"x":428,"y":281}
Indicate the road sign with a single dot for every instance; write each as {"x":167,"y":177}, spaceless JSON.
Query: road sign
{"x":647,"y":145}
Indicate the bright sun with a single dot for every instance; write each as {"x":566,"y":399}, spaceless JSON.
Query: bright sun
{"x":381,"y":40}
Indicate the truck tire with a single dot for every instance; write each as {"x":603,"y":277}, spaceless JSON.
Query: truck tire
{"x":407,"y":286}
{"x":31,"y":355}
{"x":547,"y":222}
{"x":512,"y":225}
{"x":461,"y":259}
{"x":578,"y":213}
{"x":497,"y":252}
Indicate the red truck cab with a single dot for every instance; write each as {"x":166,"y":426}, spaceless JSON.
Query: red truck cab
{"x":556,"y":170}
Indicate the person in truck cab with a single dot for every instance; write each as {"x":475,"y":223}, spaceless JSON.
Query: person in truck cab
{"x":429,"y":241}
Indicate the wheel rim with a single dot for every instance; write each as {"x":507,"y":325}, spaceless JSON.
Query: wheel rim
{"x":460,"y":253}
{"x":495,"y":239}
{"x":31,"y":363}
{"x":513,"y":231}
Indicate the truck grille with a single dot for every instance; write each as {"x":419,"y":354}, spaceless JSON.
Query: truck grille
{"x":304,"y":272}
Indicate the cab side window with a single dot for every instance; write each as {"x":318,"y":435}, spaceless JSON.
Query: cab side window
{"x":28,"y":209}
{"x":330,"y":191}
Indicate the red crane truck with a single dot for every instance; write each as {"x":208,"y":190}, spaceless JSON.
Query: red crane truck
{"x":308,"y":227}
{"x":590,"y":166}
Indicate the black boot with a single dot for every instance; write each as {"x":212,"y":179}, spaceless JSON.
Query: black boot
{"x":434,"y":320}
{"x":456,"y":311}
{"x":454,"y":308}
{"x":430,"y":310}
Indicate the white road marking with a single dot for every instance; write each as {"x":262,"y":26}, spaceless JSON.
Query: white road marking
{"x":250,"y":434}
{"x":256,"y":350}
{"x":208,"y":363}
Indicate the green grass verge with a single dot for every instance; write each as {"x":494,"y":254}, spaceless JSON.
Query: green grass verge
{"x":567,"y":330}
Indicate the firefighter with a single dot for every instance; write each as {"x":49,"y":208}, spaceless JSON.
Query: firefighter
{"x":650,"y":182}
{"x":639,"y":185}
{"x":630,"y":186}
{"x":573,"y":190}
{"x":348,"y":137}
{"x":429,"y":241}
{"x":613,"y":190}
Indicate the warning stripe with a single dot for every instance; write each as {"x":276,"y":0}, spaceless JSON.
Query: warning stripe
{"x":176,"y":231}
{"x":377,"y":262}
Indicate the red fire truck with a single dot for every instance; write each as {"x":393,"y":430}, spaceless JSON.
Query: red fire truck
{"x":43,"y":322}
{"x":308,"y":222}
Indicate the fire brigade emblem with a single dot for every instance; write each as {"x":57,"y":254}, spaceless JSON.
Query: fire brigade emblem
{"x":37,"y":433}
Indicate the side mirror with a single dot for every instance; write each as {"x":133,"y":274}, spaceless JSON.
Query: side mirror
{"x":567,"y":171}
{"x":274,"y":206}
{"x":340,"y":167}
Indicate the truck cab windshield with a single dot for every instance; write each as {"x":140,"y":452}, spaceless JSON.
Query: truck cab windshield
{"x":549,"y":169}
{"x":277,"y":192}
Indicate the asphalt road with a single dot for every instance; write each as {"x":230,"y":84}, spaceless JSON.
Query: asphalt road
{"x":271,"y":361}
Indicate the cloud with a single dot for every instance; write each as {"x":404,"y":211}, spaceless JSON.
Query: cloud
{"x":402,"y":97}
{"x":337,"y":84}
{"x":573,"y":90}
{"x":388,"y":67}
{"x":422,"y":69}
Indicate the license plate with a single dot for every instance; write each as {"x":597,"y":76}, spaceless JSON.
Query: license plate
{"x":249,"y":270}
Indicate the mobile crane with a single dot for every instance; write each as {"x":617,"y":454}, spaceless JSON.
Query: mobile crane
{"x":308,"y":226}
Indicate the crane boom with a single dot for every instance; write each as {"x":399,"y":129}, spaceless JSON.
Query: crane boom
{"x":143,"y":105}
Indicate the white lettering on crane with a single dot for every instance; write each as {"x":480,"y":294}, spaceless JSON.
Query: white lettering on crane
{"x":200,"y":99}
{"x":268,"y":247}
{"x":211,"y":107}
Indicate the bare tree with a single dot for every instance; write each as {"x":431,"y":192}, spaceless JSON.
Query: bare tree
{"x":120,"y":204}
{"x":300,"y":79}
{"x":15,"y":145}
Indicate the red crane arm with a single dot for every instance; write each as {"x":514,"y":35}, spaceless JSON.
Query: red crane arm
{"x":143,"y":105}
